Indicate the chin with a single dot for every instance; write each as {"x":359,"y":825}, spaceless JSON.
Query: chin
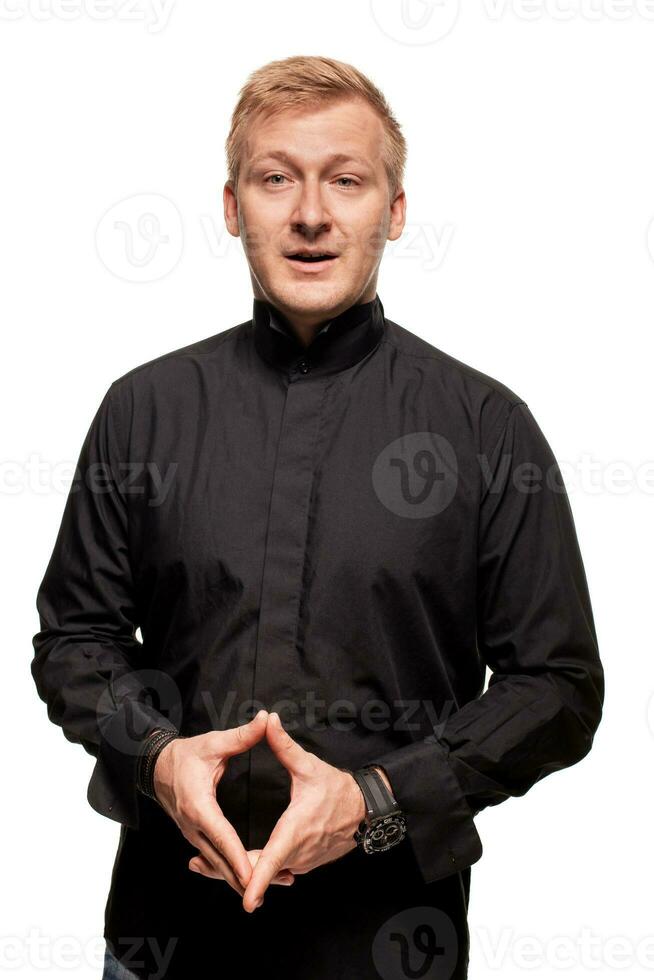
{"x":309,"y":297}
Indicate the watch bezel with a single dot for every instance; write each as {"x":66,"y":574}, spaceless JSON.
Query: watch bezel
{"x":367,"y":831}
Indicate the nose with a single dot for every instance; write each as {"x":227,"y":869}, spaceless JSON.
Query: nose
{"x":310,"y":215}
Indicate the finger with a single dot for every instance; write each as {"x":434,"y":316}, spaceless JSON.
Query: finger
{"x":233,"y":741}
{"x":200,"y":865}
{"x":216,"y":868}
{"x":219,"y":863}
{"x":289,"y":752}
{"x":272,"y":860}
{"x":284,"y":877}
{"x":213,"y":855}
{"x":222,"y":837}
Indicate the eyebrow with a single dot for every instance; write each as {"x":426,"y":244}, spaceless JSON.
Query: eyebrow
{"x":285,"y":158}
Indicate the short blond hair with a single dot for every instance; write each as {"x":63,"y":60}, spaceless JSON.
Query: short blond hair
{"x":307,"y":81}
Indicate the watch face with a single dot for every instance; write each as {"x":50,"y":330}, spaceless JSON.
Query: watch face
{"x":383,"y":833}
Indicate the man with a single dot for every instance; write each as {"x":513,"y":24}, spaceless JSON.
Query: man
{"x":325,"y":528}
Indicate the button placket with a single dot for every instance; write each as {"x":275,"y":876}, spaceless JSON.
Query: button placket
{"x":276,"y":666}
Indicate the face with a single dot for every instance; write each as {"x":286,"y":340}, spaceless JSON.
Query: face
{"x":312,"y":181}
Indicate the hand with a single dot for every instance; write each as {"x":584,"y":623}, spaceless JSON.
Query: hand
{"x":201,"y":865}
{"x":318,"y":825}
{"x":186,"y":774}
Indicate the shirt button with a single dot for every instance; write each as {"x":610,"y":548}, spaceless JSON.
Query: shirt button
{"x":303,"y":365}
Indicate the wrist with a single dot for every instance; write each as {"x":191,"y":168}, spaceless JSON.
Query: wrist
{"x":162,"y":769}
{"x":384,"y":825}
{"x":151,"y":750}
{"x":355,"y":801}
{"x":359,"y":806}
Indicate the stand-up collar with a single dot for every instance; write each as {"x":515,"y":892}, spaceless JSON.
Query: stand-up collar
{"x":339,"y":343}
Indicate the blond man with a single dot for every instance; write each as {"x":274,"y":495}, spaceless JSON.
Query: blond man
{"x":356,"y":526}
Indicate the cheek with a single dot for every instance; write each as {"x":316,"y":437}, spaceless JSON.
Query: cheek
{"x":365,"y":241}
{"x":263,"y":231}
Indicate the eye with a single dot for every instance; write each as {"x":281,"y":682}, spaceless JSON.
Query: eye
{"x":270,"y":179}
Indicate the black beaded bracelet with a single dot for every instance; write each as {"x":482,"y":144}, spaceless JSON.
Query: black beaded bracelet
{"x":152,"y":746}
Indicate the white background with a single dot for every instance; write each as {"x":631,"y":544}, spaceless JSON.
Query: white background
{"x":528,"y":254}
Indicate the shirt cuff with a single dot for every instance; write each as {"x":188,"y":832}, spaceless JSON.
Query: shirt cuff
{"x":439,"y":821}
{"x":113,"y":787}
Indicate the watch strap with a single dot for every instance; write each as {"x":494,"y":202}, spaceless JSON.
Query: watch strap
{"x":379,"y":801}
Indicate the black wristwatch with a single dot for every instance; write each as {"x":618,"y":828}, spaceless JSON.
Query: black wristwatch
{"x":384,"y":825}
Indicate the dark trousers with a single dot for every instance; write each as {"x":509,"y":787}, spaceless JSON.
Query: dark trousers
{"x":362,"y":917}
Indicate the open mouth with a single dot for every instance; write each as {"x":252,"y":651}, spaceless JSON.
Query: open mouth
{"x":308,"y":259}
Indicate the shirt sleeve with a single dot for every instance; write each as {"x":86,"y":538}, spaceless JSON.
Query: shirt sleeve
{"x":535,"y":631}
{"x":86,"y":655}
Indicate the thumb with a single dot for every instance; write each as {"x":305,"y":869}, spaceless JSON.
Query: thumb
{"x":289,"y":752}
{"x":243,"y":737}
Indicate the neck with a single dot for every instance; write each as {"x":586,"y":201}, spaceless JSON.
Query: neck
{"x":341,"y":343}
{"x":305,"y":326}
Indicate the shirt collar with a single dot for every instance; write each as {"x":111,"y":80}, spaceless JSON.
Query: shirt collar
{"x":339,"y":344}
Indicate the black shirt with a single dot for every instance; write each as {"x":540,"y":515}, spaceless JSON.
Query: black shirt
{"x":347,"y":533}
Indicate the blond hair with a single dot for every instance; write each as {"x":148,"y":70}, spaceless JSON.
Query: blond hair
{"x":308,"y":81}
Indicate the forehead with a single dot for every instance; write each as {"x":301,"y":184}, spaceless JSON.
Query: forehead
{"x":349,"y":128}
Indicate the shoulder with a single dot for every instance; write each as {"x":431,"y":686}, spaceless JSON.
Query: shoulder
{"x":482,"y":402}
{"x":173,"y":365}
{"x":414,"y":348}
